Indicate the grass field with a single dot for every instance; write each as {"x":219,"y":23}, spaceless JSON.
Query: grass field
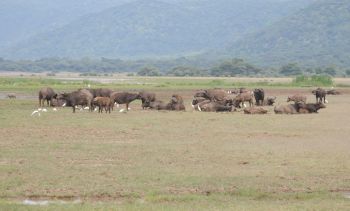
{"x":149,"y":160}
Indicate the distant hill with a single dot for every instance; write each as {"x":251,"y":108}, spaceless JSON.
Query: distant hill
{"x":21,"y":19}
{"x":318,"y":35}
{"x":150,"y":28}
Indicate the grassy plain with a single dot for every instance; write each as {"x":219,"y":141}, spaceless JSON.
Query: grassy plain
{"x":189,"y":160}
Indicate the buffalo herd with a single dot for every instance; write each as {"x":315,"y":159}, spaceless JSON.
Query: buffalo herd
{"x":209,"y":100}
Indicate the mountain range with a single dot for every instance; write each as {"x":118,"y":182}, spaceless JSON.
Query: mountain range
{"x":266,"y":32}
{"x":140,"y":29}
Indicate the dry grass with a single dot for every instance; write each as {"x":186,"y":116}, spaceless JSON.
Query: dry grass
{"x":176,"y":160}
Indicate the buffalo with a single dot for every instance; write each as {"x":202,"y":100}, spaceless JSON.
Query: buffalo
{"x":332,"y":92}
{"x":100,"y":92}
{"x":124,"y":98}
{"x":102,"y":103}
{"x":243,"y":97}
{"x":269,"y":101}
{"x":297,"y":98}
{"x":286,"y":109}
{"x":309,"y":107}
{"x":255,"y":110}
{"x":320,"y":95}
{"x":210,"y":106}
{"x":259,"y":95}
{"x":212,"y":94}
{"x":147,"y":98}
{"x":81,"y":97}
{"x":47,"y":94}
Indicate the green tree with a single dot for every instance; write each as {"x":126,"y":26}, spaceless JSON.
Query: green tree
{"x":291,"y":69}
{"x":149,"y":71}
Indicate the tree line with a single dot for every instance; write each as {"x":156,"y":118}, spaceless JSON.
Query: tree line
{"x":172,"y":67}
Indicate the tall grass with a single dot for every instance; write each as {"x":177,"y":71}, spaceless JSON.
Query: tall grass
{"x":315,"y":80}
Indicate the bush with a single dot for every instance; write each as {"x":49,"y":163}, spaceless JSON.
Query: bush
{"x":315,"y":80}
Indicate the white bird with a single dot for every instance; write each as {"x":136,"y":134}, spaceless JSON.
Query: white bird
{"x":64,"y":104}
{"x":95,"y":109}
{"x":54,"y":109}
{"x":44,"y":110}
{"x":34,"y":112}
{"x":122,"y":110}
{"x":86,"y":108}
{"x":39,"y":109}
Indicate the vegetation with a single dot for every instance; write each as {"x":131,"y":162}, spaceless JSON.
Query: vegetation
{"x":315,"y":36}
{"x":316,"y":80}
{"x":137,"y":29}
{"x":167,"y":67}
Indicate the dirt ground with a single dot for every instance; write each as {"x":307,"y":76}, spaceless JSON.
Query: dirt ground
{"x":177,"y":160}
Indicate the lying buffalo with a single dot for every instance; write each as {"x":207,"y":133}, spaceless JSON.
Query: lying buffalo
{"x":81,"y":97}
{"x":210,"y":106}
{"x":269,"y":101}
{"x":175,"y":104}
{"x":309,"y":107}
{"x":333,"y":92}
{"x":47,"y":94}
{"x":147,"y":98}
{"x":286,"y":109}
{"x":255,"y":110}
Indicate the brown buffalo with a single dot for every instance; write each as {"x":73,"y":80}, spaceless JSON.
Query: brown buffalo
{"x":47,"y":94}
{"x":124,"y":98}
{"x":100,"y":92}
{"x":211,"y":106}
{"x":243,"y":97}
{"x":259,"y":95}
{"x":320,"y":95}
{"x":286,"y":109}
{"x":81,"y":97}
{"x":309,"y":107}
{"x":333,"y":92}
{"x":269,"y":101}
{"x":147,"y":98}
{"x":255,"y":110}
{"x":102,"y":103}
{"x":212,"y":94}
{"x":297,"y":98}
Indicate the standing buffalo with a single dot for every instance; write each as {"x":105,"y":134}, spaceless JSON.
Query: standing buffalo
{"x":320,"y":95}
{"x":259,"y":95}
{"x":243,"y":97}
{"x":100,"y":92}
{"x":47,"y":94}
{"x":212,"y":94}
{"x":124,"y":98}
{"x":297,"y":98}
{"x":102,"y":103}
{"x":81,"y":97}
